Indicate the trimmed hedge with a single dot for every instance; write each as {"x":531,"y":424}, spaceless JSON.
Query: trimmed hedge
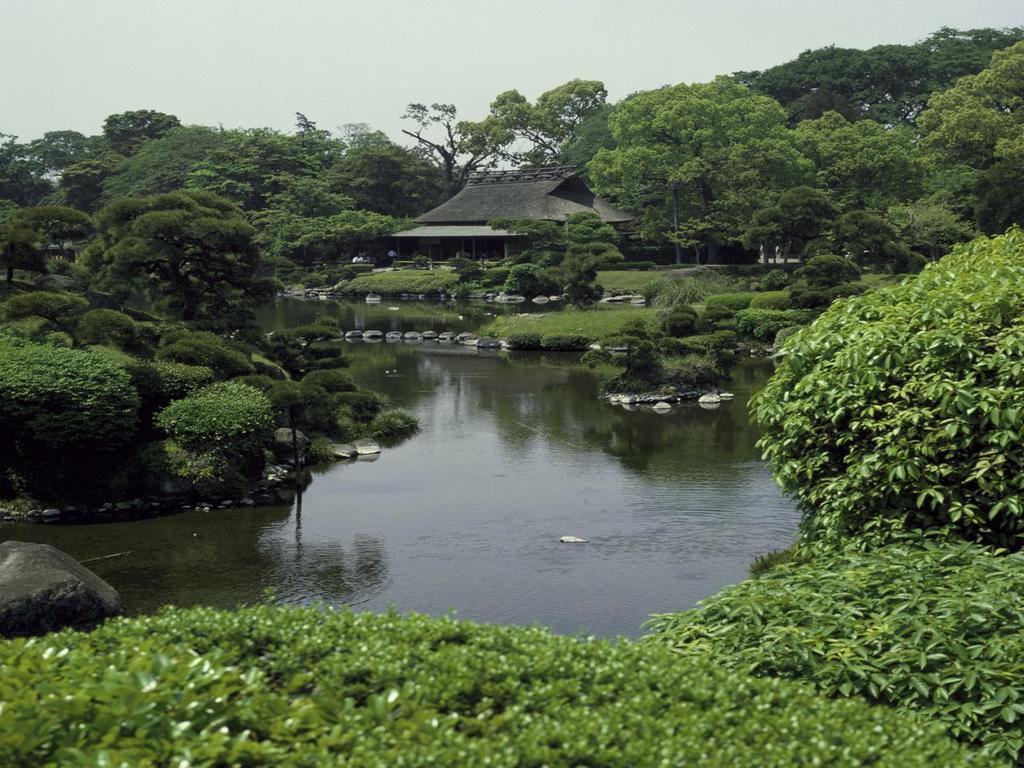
{"x":763,"y":324}
{"x":902,"y":409}
{"x":772,"y":300}
{"x":935,"y":628}
{"x":735,"y":301}
{"x":402,"y":281}
{"x":57,"y":398}
{"x":204,"y":349}
{"x":306,"y":687}
{"x":524,"y":341}
{"x":228,"y":414}
{"x":564,"y":342}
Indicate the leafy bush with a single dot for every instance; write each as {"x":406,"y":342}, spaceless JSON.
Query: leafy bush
{"x":934,"y":628}
{"x":58,"y":398}
{"x":107,"y":326}
{"x":700,"y":344}
{"x":694,"y":288}
{"x":715,"y":314}
{"x":402,"y":281}
{"x":902,"y":408}
{"x":771,"y":300}
{"x":159,"y":383}
{"x":360,"y":406}
{"x":763,"y":324}
{"x":786,"y":332}
{"x":681,"y":320}
{"x":774,"y":280}
{"x":308,"y":686}
{"x":529,"y":280}
{"x":827,"y":270}
{"x":809,"y":297}
{"x":496,"y":276}
{"x":226,"y":414}
{"x":392,"y":423}
{"x":735,"y":301}
{"x":61,"y":309}
{"x":205,"y":349}
{"x":564,"y":342}
{"x":332,"y":380}
{"x":524,"y":341}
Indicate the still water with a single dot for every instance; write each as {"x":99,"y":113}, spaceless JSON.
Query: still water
{"x":515,"y":450}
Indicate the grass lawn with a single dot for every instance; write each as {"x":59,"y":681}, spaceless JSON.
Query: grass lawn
{"x":403,"y":281}
{"x":593,"y":323}
{"x":626,"y":280}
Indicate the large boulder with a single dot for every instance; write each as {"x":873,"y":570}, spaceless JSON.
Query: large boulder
{"x":42,"y":590}
{"x":283,"y":447}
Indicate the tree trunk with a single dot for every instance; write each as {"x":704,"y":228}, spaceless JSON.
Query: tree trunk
{"x":10,"y":274}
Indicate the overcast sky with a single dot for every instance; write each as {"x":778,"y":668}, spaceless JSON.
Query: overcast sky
{"x":67,"y":64}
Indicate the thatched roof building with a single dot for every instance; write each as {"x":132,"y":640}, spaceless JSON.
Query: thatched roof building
{"x":540,"y":194}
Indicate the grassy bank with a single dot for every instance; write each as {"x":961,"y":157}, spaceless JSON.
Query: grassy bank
{"x":402,"y":281}
{"x":626,"y":281}
{"x":593,"y":324}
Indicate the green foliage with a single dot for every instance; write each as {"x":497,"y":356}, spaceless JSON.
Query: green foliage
{"x":562,"y":342}
{"x":61,"y":310}
{"x":763,"y":324}
{"x":773,"y":280}
{"x":161,"y":382}
{"x":694,"y":288}
{"x":827,"y":271}
{"x":785,"y":333}
{"x":19,"y":248}
{"x":227,"y":415}
{"x":360,"y":406}
{"x":936,"y":629}
{"x":313,"y":686}
{"x":593,"y":324}
{"x":204,"y":349}
{"x":402,"y":281}
{"x":107,"y":326}
{"x":771,"y":300}
{"x":523,"y":341}
{"x":393,"y":422}
{"x":871,"y":240}
{"x":901,"y":408}
{"x":681,"y":320}
{"x":529,"y":280}
{"x":809,"y":297}
{"x":801,"y":217}
{"x":331,"y":380}
{"x":55,"y":399}
{"x":128,"y":131}
{"x":734,"y":301}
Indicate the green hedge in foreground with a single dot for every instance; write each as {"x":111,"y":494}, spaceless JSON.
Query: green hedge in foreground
{"x":299,"y":687}
{"x":402,"y":281}
{"x":934,"y":628}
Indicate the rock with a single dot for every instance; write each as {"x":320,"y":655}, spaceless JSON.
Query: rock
{"x":487,"y":342}
{"x":413,"y":336}
{"x":373,"y":334}
{"x":572,"y":540}
{"x":354,"y":335}
{"x":42,"y":589}
{"x":709,"y":399}
{"x":51,"y":513}
{"x":662,"y":407}
{"x":428,"y":335}
{"x":540,"y":299}
{"x":393,"y":336}
{"x":283,"y":449}
{"x":726,"y":395}
{"x":366,"y":447}
{"x":446,"y":336}
{"x":344,"y":451}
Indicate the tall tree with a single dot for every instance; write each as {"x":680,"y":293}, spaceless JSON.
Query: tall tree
{"x":19,"y":249}
{"x":81,"y":184}
{"x":551,"y":126}
{"x":725,"y":151}
{"x":190,"y":249}
{"x":161,"y":165}
{"x":126,"y":131}
{"x":56,"y":224}
{"x":459,"y":146}
{"x":22,"y":181}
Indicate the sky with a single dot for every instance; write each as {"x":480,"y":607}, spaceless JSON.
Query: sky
{"x":67,"y":64}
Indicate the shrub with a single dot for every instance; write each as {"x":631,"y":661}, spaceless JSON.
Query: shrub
{"x":681,"y":320}
{"x":495,"y":276}
{"x":774,"y":280}
{"x":735,"y":301}
{"x":771,"y":300}
{"x":392,"y":423}
{"x":827,"y":270}
{"x":809,"y":297}
{"x":60,"y":398}
{"x":332,"y":380}
{"x":715,"y":314}
{"x":228,"y":414}
{"x":61,"y":309}
{"x":564,"y":342}
{"x":934,"y":628}
{"x":107,"y":326}
{"x":529,"y":280}
{"x":205,"y":349}
{"x":695,"y":370}
{"x":902,"y":408}
{"x":694,"y":288}
{"x":313,"y":686}
{"x":763,"y":324}
{"x":786,"y":332}
{"x":524,"y":341}
{"x":359,"y":406}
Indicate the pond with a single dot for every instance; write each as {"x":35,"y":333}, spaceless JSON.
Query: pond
{"x":515,"y":451}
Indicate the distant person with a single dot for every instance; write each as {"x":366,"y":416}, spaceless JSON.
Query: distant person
{"x":392,"y":256}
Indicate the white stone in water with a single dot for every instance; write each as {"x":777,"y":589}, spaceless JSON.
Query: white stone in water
{"x":709,"y":399}
{"x":662,"y":407}
{"x":726,"y":395}
{"x":572,"y":540}
{"x":366,"y":447}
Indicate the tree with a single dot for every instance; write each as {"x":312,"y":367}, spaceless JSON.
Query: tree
{"x":21,"y":179}
{"x":802,"y":216}
{"x":870,"y":240}
{"x":463,"y":146}
{"x":551,"y":125}
{"x":725,"y":148}
{"x":378,"y":175}
{"x":192,"y":249}
{"x":162,"y":164}
{"x":127,"y":131}
{"x":929,"y":228}
{"x":59,"y":149}
{"x":56,"y":224}
{"x":82,"y":184}
{"x":19,"y":249}
{"x":862,"y":164}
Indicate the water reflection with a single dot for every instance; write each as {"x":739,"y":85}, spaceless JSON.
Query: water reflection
{"x":514,"y":452}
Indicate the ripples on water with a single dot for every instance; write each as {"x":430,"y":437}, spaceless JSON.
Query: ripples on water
{"x":515,"y":451}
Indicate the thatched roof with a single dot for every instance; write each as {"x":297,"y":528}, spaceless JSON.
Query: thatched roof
{"x":454,"y":230}
{"x":549,"y":194}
